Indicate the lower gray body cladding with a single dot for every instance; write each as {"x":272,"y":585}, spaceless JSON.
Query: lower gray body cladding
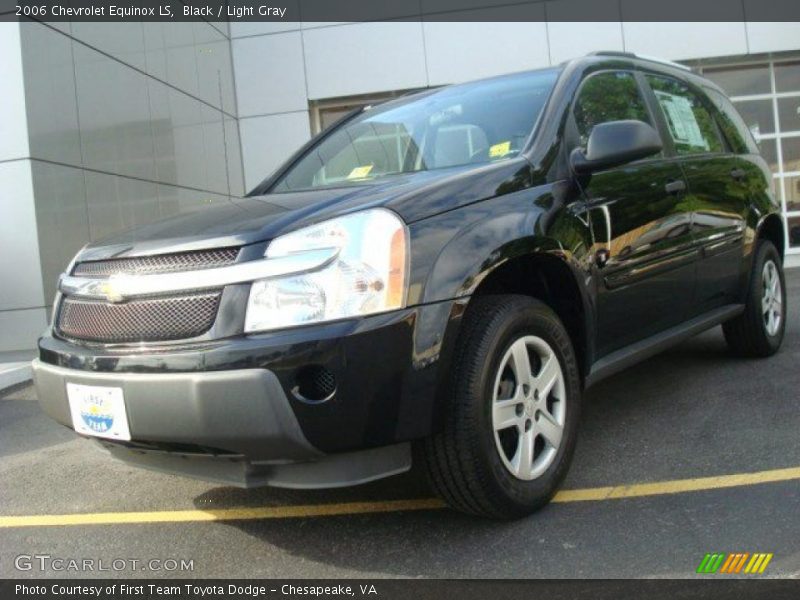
{"x":234,"y":427}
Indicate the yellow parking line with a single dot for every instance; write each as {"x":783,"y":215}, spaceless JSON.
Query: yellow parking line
{"x":352,"y":508}
{"x":222,"y":514}
{"x":678,"y":486}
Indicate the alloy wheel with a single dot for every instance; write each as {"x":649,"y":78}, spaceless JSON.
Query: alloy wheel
{"x":771,"y":298}
{"x":529,"y":407}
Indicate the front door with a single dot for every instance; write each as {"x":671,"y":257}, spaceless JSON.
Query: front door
{"x":645,"y":256}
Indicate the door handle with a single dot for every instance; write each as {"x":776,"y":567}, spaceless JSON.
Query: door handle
{"x":738,"y":174}
{"x":675,"y":187}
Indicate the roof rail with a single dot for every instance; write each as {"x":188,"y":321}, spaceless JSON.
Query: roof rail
{"x":641,"y":57}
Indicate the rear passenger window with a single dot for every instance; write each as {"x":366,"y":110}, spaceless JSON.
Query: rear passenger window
{"x":690,"y":124}
{"x":608,"y":96}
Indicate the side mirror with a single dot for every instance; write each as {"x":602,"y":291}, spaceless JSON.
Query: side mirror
{"x":615,"y":143}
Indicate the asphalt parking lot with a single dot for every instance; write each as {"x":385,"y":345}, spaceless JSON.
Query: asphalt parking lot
{"x":692,"y":412}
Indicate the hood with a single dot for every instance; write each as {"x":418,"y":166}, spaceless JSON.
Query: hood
{"x":242,"y":221}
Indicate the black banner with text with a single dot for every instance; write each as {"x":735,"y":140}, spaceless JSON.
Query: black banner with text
{"x":280,"y":11}
{"x":394,"y":589}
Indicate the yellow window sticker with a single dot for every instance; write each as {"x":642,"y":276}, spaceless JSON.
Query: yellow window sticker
{"x":500,"y":149}
{"x":360,"y":172}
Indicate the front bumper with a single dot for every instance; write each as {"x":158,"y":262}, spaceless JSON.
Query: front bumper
{"x":240,"y":412}
{"x":234,"y":427}
{"x":386,"y":368}
{"x":233,"y":402}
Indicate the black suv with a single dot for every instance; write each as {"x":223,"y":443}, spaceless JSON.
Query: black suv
{"x":439,"y":276}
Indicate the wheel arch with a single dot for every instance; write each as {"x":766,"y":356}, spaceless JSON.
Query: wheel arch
{"x":771,"y":228}
{"x":550,"y":278}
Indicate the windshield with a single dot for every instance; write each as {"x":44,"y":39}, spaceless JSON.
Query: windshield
{"x":467,"y":124}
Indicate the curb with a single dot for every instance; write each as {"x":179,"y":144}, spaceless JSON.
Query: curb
{"x":14,"y":373}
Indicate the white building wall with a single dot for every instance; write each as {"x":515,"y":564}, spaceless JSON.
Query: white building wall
{"x":103,"y":127}
{"x":280,"y":67}
{"x":22,"y":305}
{"x":772,"y":37}
{"x":456,"y":52}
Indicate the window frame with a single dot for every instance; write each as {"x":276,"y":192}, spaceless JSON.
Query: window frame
{"x":573,"y":137}
{"x":705,"y":102}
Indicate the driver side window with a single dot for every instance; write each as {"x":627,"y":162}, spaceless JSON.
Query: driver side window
{"x":608,"y":96}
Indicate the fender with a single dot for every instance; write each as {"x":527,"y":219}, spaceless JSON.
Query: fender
{"x":763,"y":222}
{"x":763,"y":209}
{"x":755,"y":226}
{"x":454,"y":252}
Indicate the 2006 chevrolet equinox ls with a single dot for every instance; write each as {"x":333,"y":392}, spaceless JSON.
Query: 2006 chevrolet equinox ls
{"x":439,"y":276}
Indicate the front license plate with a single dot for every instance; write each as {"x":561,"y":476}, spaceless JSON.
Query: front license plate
{"x":98,"y":411}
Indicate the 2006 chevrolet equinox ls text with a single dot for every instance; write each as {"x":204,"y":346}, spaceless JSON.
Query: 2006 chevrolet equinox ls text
{"x":437,"y":277}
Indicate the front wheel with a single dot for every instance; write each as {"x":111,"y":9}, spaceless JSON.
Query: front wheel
{"x":512,"y":412}
{"x":758,"y":331}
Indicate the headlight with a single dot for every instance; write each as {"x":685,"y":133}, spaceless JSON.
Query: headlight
{"x":367,"y":276}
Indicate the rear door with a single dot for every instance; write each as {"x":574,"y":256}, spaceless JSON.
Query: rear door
{"x":642,"y":232}
{"x":718,"y":194}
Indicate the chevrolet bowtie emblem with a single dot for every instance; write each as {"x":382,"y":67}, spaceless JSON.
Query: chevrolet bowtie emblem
{"x":108,"y":289}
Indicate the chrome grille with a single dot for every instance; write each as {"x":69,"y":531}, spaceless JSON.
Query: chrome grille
{"x":148,"y":320}
{"x":160,"y":263}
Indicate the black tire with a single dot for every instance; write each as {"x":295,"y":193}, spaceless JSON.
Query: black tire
{"x":462,"y":461}
{"x":747,"y":334}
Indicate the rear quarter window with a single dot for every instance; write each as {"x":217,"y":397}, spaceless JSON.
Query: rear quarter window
{"x":733,"y":126}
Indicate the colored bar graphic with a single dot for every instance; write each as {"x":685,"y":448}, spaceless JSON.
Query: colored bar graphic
{"x":758,"y":563}
{"x":740,"y":564}
{"x":765,"y":563}
{"x":727,"y":567}
{"x":703,"y":564}
{"x":711,"y":563}
{"x":733,"y":563}
{"x":756,"y":559}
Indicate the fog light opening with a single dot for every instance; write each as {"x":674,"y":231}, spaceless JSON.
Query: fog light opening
{"x":314,"y":384}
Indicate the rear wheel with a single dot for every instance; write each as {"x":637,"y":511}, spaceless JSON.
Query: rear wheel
{"x":758,"y":331}
{"x":512,"y":413}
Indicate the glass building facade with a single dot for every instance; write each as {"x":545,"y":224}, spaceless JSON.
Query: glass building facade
{"x":767,"y":94}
